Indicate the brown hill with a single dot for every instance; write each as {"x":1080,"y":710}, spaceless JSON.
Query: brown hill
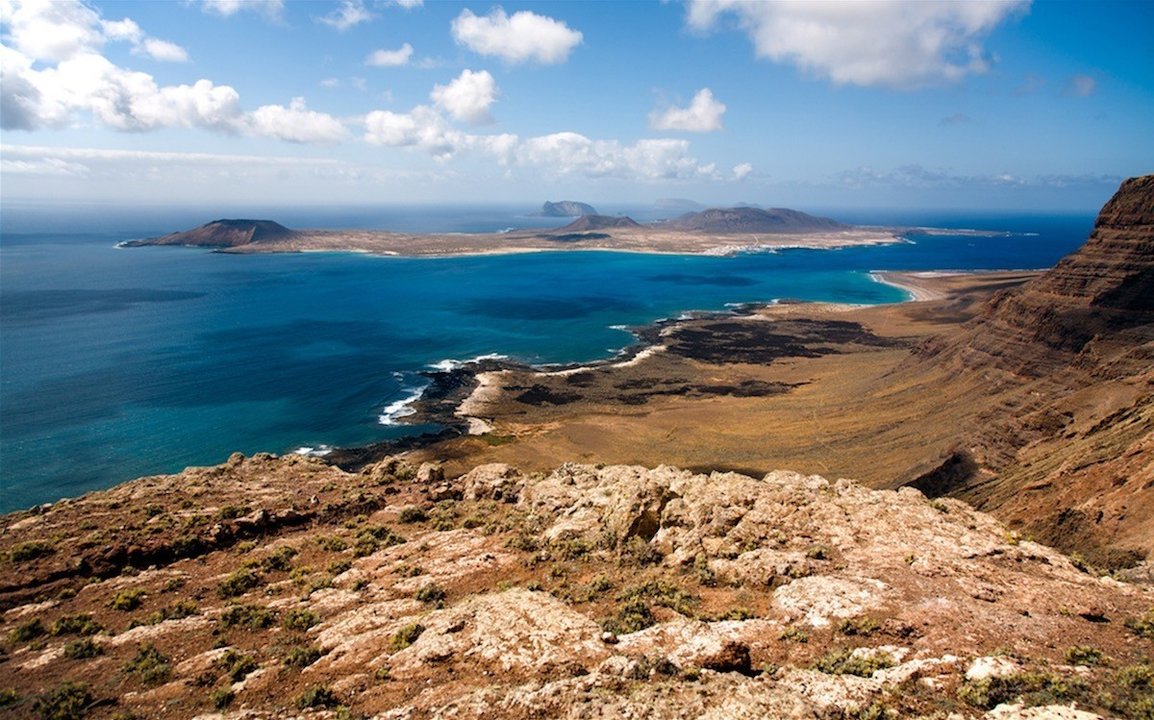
{"x":223,"y":234}
{"x":753,"y":220}
{"x":599,"y":222}
{"x":1069,"y":451}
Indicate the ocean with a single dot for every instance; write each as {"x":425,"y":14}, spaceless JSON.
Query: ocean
{"x":117,"y":363}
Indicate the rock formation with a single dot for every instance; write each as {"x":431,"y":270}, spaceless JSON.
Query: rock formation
{"x":566,"y":208}
{"x":599,"y":222}
{"x":588,"y":592}
{"x":753,"y":220}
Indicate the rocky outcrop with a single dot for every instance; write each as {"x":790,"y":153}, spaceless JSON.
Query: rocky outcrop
{"x":591,"y":591}
{"x":566,"y":208}
{"x":223,"y":234}
{"x":753,"y":220}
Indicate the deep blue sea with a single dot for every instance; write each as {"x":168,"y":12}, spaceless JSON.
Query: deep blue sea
{"x":116,"y":363}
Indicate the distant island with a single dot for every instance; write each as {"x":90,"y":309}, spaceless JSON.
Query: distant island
{"x":716,"y":231}
{"x":566,"y":208}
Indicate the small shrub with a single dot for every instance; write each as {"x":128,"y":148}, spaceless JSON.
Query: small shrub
{"x":127,"y":600}
{"x":279,"y":559}
{"x":1083,"y":655}
{"x":70,"y":701}
{"x":302,"y":657}
{"x":8,"y":697}
{"x":1142,"y":626}
{"x":82,"y":649}
{"x":818,"y":552}
{"x":410,"y":570}
{"x":150,"y":665}
{"x":737,"y":613}
{"x":222,"y":697}
{"x":572,"y":549}
{"x":632,"y":617}
{"x":252,"y":617}
{"x":26,"y":631}
{"x":794,"y":634}
{"x":636,"y":551}
{"x":1034,"y":688}
{"x":332,"y":543}
{"x":236,"y":665}
{"x":176,"y":611}
{"x":75,"y":625}
{"x":405,"y":637}
{"x":431,"y":593}
{"x":300,"y":619}
{"x":858,"y":626}
{"x":413,"y":514}
{"x":238,"y":582}
{"x":663,"y":593}
{"x":31,"y":550}
{"x":231,"y":512}
{"x":845,"y":662}
{"x":523,"y":542}
{"x":319,"y":696}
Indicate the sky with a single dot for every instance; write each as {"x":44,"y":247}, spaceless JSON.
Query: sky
{"x":986,"y":104}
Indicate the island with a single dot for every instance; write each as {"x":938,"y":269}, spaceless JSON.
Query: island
{"x":717,"y":231}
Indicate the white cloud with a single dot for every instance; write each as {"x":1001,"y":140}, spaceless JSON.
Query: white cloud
{"x":1081,"y":86}
{"x":569,"y":153}
{"x":468,"y":97}
{"x":349,"y":14}
{"x":409,"y":4}
{"x":296,"y":124}
{"x":524,"y":36}
{"x":55,"y":167}
{"x":271,"y":9}
{"x":163,"y":50}
{"x":742,"y":171}
{"x":422,"y":127}
{"x":390,"y":58}
{"x":702,"y":115}
{"x":893,"y":43}
{"x":55,"y":31}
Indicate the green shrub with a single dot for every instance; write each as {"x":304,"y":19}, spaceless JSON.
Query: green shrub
{"x":30,"y":550}
{"x":663,"y":593}
{"x":252,"y":617}
{"x":82,"y":649}
{"x":413,"y":514}
{"x":236,"y":665}
{"x":1083,"y":655}
{"x":636,"y":551}
{"x":300,"y":619}
{"x":231,"y":512}
{"x":70,"y":701}
{"x":633,"y":616}
{"x":302,"y":657}
{"x":279,"y":559}
{"x":319,"y":696}
{"x":844,"y":662}
{"x":794,"y":634}
{"x":75,"y":625}
{"x":150,"y":665}
{"x":238,"y":582}
{"x":222,"y":698}
{"x":127,"y":600}
{"x":176,"y":611}
{"x":8,"y":697}
{"x":27,"y":630}
{"x":405,"y":637}
{"x":858,"y":626}
{"x":431,"y":593}
{"x":332,"y":543}
{"x":1142,"y":626}
{"x":1035,"y":688}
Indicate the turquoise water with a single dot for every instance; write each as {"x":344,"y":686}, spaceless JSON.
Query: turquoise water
{"x":116,"y":363}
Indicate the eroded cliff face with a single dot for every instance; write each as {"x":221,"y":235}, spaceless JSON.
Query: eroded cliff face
{"x":285,"y":588}
{"x":1068,"y":454}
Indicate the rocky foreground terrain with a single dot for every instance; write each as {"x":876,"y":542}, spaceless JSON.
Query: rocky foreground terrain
{"x":283,"y":587}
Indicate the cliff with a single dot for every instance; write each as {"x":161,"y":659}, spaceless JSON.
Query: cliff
{"x":566,"y":208}
{"x":287,"y":588}
{"x":753,"y":220}
{"x":1068,"y":453}
{"x":223,"y":234}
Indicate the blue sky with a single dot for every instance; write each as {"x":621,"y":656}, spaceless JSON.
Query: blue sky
{"x":995,"y":104}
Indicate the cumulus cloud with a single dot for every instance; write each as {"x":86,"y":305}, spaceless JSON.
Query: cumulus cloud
{"x":349,"y":14}
{"x":271,"y":9}
{"x":702,"y":115}
{"x":163,"y":50}
{"x":1081,"y":86}
{"x":521,"y":37}
{"x":390,"y":58}
{"x":468,"y":96}
{"x":422,"y":127}
{"x":408,"y":4}
{"x":901,"y":44}
{"x":742,"y":171}
{"x":296,"y":123}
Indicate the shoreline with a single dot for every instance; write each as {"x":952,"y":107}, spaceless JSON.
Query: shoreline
{"x":457,"y":393}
